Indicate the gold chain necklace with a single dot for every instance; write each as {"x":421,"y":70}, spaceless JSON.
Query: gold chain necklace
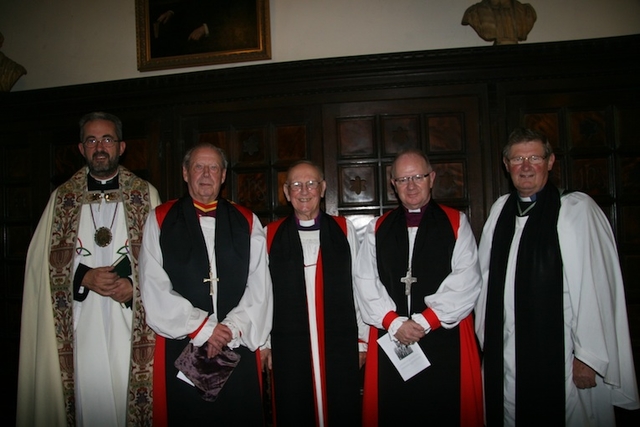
{"x":103,"y":235}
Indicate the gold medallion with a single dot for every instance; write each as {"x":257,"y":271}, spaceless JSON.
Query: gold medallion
{"x":102,"y":237}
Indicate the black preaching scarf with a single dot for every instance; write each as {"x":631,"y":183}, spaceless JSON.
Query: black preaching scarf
{"x":539,"y":322}
{"x":291,"y":349}
{"x":186,"y":258}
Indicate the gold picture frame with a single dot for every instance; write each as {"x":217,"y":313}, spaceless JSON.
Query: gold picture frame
{"x":191,"y":33}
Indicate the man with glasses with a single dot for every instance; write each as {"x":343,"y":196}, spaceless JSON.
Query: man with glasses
{"x":318,"y":340}
{"x":82,"y":320}
{"x":551,"y":315}
{"x":417,"y":279}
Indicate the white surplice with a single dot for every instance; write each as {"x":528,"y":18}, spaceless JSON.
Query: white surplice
{"x":452,"y":302}
{"x":174,"y":317}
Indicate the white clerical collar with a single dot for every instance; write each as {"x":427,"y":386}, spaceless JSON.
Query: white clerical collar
{"x":307,"y":222}
{"x":104,"y":181}
{"x":528,"y":198}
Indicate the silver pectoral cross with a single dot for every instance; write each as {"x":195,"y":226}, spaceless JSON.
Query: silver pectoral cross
{"x":211,"y":279}
{"x":408,"y":280}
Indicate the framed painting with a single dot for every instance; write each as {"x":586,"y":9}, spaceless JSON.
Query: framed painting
{"x":191,"y":33}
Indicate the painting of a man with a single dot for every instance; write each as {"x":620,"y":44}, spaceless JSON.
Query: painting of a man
{"x":185,"y":27}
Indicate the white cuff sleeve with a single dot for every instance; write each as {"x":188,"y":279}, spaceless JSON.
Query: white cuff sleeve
{"x":235,"y":333}
{"x":420,"y":320}
{"x":205,"y":332}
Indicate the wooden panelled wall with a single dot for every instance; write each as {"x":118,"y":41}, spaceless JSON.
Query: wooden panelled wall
{"x":352,"y":115}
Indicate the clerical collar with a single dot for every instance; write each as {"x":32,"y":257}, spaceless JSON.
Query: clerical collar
{"x":94,"y":184}
{"x":414,"y":216}
{"x":206,"y":209}
{"x":531,"y":198}
{"x":308,"y":224}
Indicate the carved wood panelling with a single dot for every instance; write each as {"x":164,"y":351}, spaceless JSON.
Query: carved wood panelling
{"x":17,"y":241}
{"x":358,"y":186}
{"x":15,"y":279}
{"x":445,"y":134}
{"x":451,"y":179}
{"x":399,"y":133}
{"x":591,"y":176}
{"x":251,"y":148}
{"x":66,"y":161}
{"x":364,"y":138}
{"x":16,"y":207}
{"x":629,"y":176}
{"x":18,"y":202}
{"x":16,"y":164}
{"x":252,"y":190}
{"x":587,"y":129}
{"x":356,"y":137}
{"x":291,"y":144}
{"x":137,"y":156}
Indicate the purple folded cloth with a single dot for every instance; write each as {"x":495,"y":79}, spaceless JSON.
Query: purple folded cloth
{"x":207,"y":374}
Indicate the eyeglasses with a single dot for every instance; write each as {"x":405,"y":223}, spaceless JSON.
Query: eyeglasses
{"x":106,"y":141}
{"x":417,"y":179}
{"x":297,"y":185}
{"x":533,"y":160}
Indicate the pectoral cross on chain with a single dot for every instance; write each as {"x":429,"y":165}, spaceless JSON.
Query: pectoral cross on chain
{"x":408,"y":280}
{"x":211,"y":279}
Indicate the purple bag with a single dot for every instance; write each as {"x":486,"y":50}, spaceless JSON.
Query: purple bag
{"x":208,"y":374}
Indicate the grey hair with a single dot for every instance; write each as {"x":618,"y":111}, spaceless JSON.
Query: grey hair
{"x":522,"y":134}
{"x":99,"y":115}
{"x":307,"y":162}
{"x":186,"y":161}
{"x":415,"y":151}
